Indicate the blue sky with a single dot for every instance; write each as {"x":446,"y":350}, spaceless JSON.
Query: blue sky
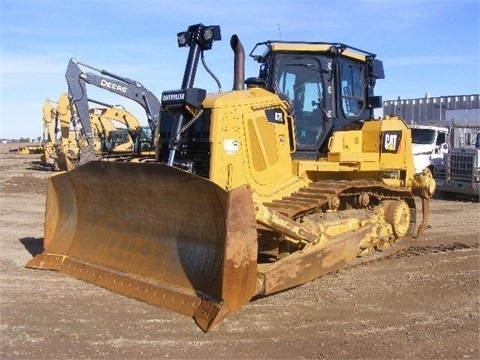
{"x":427,"y":46}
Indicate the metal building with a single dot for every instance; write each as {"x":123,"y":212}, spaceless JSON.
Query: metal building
{"x":442,"y":110}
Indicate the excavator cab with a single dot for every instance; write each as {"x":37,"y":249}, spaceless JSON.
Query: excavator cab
{"x":144,"y":140}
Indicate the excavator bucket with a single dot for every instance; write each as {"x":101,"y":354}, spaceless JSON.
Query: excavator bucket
{"x":153,"y":233}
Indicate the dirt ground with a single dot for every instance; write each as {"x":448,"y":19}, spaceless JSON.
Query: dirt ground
{"x":423,"y":303}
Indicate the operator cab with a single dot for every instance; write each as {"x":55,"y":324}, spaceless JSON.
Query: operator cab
{"x":328,"y":86}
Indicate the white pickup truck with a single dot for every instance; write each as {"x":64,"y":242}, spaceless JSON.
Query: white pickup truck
{"x":429,"y":145}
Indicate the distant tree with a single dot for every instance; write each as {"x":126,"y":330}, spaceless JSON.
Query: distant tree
{"x":39,"y":138}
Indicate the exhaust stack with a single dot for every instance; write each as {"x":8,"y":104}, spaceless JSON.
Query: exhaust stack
{"x":238,"y":63}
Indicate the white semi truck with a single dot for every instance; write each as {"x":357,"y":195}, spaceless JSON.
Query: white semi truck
{"x":460,"y":173}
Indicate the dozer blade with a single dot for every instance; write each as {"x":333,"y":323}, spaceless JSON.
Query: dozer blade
{"x":153,"y":233}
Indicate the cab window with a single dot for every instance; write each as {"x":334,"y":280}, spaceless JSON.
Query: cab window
{"x":441,"y":138}
{"x":300,"y":79}
{"x":352,"y":88}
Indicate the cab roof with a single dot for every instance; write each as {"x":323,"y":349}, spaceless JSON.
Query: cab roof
{"x":429,"y":127}
{"x":314,"y":47}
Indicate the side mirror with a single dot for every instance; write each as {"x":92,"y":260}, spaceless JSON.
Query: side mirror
{"x":375,"y":102}
{"x":377,"y":69}
{"x":468,"y":140}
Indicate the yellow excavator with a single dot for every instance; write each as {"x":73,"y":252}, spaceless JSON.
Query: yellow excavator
{"x":121,"y":133}
{"x":116,"y":139}
{"x":78,"y":76}
{"x":56,"y":119}
{"x":46,"y":149}
{"x":48,"y":132}
{"x":103,"y":128}
{"x":63,"y":150}
{"x":256,"y":190}
{"x":60,"y":144}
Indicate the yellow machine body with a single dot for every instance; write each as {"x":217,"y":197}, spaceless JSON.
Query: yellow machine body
{"x":259,"y":220}
{"x":241,"y":135}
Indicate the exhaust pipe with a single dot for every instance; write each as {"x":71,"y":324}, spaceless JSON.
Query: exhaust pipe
{"x":238,"y":63}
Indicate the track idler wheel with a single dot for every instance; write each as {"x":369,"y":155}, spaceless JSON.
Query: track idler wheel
{"x":361,"y":201}
{"x":397,"y":214}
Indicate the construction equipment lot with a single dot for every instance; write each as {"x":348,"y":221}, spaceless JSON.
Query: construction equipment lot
{"x":423,"y":303}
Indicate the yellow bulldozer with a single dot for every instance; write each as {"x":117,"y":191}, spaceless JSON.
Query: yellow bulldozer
{"x":28,"y":149}
{"x":256,"y":190}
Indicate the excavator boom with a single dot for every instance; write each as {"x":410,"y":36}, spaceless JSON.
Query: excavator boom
{"x":77,"y":81}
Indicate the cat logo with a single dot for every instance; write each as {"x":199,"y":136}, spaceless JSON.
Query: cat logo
{"x":391,"y":141}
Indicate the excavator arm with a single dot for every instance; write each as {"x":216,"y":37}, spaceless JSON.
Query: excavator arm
{"x":48,"y":130}
{"x":121,"y":115}
{"x":49,"y":121}
{"x":131,"y":89}
{"x":104,"y":125}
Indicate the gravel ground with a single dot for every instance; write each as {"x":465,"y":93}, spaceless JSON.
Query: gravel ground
{"x":420,"y":304}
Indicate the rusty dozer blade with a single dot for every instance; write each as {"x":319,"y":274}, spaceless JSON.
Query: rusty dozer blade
{"x":153,"y":233}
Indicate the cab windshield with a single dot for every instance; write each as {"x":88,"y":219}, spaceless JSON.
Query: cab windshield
{"x":423,"y":136}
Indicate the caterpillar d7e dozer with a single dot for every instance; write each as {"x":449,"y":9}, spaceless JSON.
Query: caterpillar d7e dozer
{"x":254,"y":190}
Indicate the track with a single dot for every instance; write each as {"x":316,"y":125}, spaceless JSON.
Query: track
{"x":327,"y":194}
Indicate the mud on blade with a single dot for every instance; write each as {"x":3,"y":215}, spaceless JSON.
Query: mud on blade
{"x":153,"y":233}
